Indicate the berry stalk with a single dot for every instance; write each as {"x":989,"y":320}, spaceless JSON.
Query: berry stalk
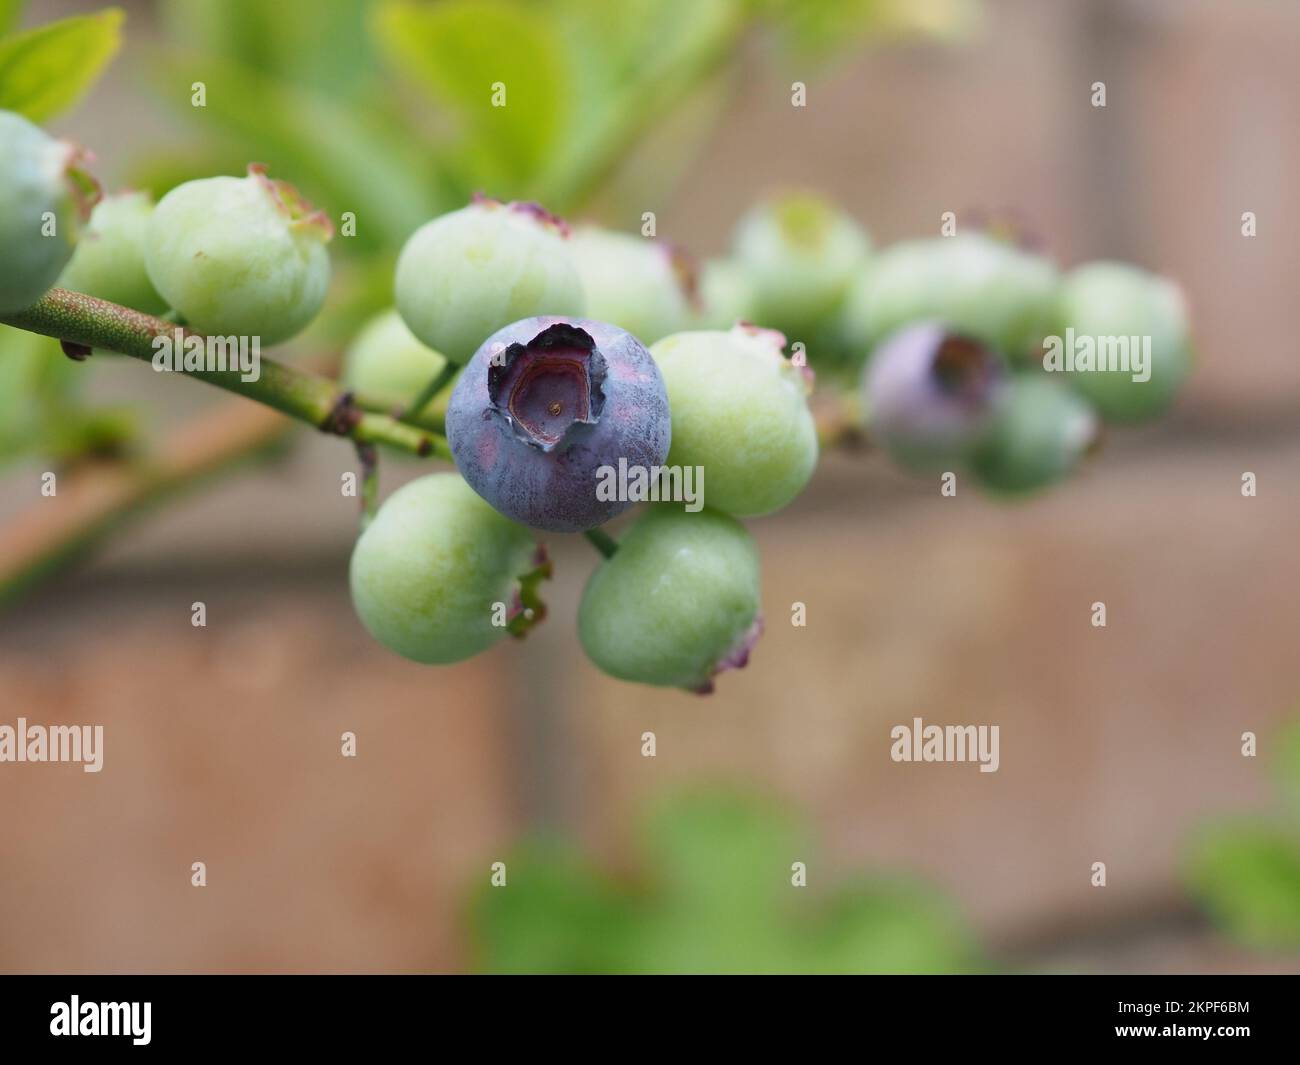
{"x":86,"y":322}
{"x":602,"y":541}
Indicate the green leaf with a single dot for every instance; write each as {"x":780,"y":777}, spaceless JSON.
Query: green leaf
{"x":271,"y":38}
{"x":714,"y":896}
{"x":1247,"y":874}
{"x":46,"y":70}
{"x":830,"y":28}
{"x":632,"y":74}
{"x":10,"y":12}
{"x":343,"y":158}
{"x":881,"y":926}
{"x":1286,"y":763}
{"x":557,"y":915}
{"x":37,"y":386}
{"x":722,"y":851}
{"x":468,"y":54}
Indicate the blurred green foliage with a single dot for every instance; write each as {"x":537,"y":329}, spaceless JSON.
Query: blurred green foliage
{"x":384,"y":108}
{"x":46,"y":70}
{"x":1246,"y":870}
{"x":713,"y":894}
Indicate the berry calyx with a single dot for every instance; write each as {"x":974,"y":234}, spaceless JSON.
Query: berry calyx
{"x":544,"y":407}
{"x":930,"y":395}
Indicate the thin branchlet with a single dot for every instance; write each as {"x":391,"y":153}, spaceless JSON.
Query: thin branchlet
{"x":82,"y":323}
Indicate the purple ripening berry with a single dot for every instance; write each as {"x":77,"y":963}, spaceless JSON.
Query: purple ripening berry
{"x":931,"y":395}
{"x":543,"y":405}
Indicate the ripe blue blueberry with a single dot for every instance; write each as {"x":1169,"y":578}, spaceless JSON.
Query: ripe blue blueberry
{"x":931,"y":396}
{"x":545,"y":404}
{"x":469,"y":273}
{"x":44,"y":196}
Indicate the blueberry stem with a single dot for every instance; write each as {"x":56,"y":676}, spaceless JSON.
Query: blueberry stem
{"x":602,"y":541}
{"x":78,"y":320}
{"x":439,"y":382}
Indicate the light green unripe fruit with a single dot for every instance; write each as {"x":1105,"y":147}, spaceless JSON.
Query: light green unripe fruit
{"x":972,"y":283}
{"x":801,"y":253}
{"x":1109,"y":299}
{"x":465,"y":275}
{"x":1037,"y":436}
{"x":240,"y":256}
{"x":740,"y":411}
{"x":44,"y":197}
{"x":109,"y":260}
{"x":726,"y":296}
{"x":387,"y":363}
{"x":677,"y":603}
{"x":429,"y":568}
{"x":634,"y":282}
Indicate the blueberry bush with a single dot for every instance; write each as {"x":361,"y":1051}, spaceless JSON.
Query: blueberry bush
{"x":568,"y":374}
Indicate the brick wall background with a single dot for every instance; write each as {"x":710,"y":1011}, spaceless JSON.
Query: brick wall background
{"x":224,"y":741}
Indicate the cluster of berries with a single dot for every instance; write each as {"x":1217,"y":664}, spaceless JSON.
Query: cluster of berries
{"x":556,"y":390}
{"x":580,"y":353}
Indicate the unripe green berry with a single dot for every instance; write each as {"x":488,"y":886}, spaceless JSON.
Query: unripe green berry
{"x":726,"y":296}
{"x":677,"y":603}
{"x":387,"y":363}
{"x":801,"y":253}
{"x":740,"y":411}
{"x":1040,"y":431}
{"x":971,"y":283}
{"x":1110,"y":299}
{"x":240,"y":256}
{"x":636,"y":283}
{"x":465,"y":275}
{"x":44,"y":197}
{"x":109,"y":259}
{"x":429,"y":570}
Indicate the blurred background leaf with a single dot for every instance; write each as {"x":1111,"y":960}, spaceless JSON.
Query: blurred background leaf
{"x":46,"y":70}
{"x":458,"y":51}
{"x":10,"y":12}
{"x":343,"y":158}
{"x":1247,"y":875}
{"x":713,"y":894}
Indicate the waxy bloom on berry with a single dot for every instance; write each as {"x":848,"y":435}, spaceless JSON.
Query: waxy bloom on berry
{"x":44,"y":198}
{"x":240,"y":256}
{"x":543,"y":406}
